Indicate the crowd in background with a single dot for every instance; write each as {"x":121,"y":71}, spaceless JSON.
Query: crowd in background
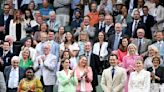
{"x":64,"y":45}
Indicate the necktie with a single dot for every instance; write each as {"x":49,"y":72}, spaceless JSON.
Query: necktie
{"x":113,"y":71}
{"x":116,"y":41}
{"x":135,"y":27}
{"x":101,"y":26}
{"x":139,"y":47}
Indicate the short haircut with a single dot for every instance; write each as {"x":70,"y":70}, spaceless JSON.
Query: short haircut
{"x":115,"y":55}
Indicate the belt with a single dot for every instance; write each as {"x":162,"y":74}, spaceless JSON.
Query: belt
{"x":12,"y":88}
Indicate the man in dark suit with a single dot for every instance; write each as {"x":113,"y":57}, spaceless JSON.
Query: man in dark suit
{"x":100,"y":26}
{"x":109,"y":26}
{"x":13,"y":74}
{"x":92,"y":61}
{"x":6,"y":55}
{"x":149,"y":21}
{"x":134,"y":25}
{"x":113,"y":41}
{"x":5,"y":18}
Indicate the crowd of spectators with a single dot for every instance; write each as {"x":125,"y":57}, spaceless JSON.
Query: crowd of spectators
{"x":64,"y":45}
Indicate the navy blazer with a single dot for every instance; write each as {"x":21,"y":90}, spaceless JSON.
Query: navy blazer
{"x":2,"y":23}
{"x":128,"y":32}
{"x":7,"y":71}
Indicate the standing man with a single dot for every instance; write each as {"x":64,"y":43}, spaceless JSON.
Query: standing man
{"x":45,"y":68}
{"x":13,"y":74}
{"x":5,"y":18}
{"x":114,"y":77}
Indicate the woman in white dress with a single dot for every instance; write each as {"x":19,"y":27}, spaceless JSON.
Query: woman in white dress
{"x":139,"y":80}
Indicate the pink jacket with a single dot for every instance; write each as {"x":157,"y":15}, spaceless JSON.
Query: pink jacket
{"x":89,"y":79}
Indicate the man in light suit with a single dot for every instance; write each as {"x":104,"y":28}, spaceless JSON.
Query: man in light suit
{"x":85,"y":26}
{"x":160,"y":43}
{"x":114,"y":77}
{"x":45,"y":68}
{"x":52,"y":22}
{"x":2,"y":83}
{"x":13,"y":74}
{"x":141,"y":42}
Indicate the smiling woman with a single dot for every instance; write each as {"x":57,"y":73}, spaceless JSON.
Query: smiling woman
{"x":30,"y":83}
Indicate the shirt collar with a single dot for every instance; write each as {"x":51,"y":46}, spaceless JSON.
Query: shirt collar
{"x":14,"y":69}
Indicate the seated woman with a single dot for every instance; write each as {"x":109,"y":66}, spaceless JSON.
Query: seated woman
{"x":157,"y":75}
{"x":66,"y":78}
{"x":25,"y":61}
{"x":30,"y":83}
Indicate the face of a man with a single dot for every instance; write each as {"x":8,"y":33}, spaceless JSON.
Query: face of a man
{"x":15,"y":63}
{"x":136,"y":15}
{"x":140,"y":33}
{"x":108,"y":20}
{"x":6,"y":46}
{"x":93,"y":7}
{"x":46,"y":49}
{"x":6,"y":9}
{"x":118,"y":28}
{"x":145,"y":11}
{"x":87,"y":47}
{"x":113,"y":60}
{"x":159,"y":36}
{"x":86,"y":21}
{"x":51,"y":36}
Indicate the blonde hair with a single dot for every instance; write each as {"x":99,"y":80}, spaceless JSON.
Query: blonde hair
{"x":83,"y":33}
{"x":153,"y":47}
{"x":132,"y":45}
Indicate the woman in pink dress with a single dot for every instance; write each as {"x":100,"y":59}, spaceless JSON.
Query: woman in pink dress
{"x":129,"y":61}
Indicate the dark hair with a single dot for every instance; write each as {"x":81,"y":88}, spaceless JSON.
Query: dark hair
{"x":72,"y":40}
{"x":93,"y":2}
{"x":103,"y":34}
{"x":29,"y":68}
{"x":6,"y":5}
{"x":32,"y":44}
{"x":145,"y":7}
{"x":61,"y":67}
{"x":46,"y":25}
{"x":113,"y":55}
{"x":31,"y":16}
{"x":158,"y":58}
{"x":62,"y":56}
{"x":121,"y":47}
{"x":5,"y":42}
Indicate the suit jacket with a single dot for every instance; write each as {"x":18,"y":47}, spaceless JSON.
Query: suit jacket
{"x":117,"y":83}
{"x":110,"y":32}
{"x":144,"y":44}
{"x":98,"y":30}
{"x":56,"y":25}
{"x":6,"y":59}
{"x":160,"y":49}
{"x":7,"y":73}
{"x":2,"y":35}
{"x":46,"y":69}
{"x":111,"y":40}
{"x":148,"y":23}
{"x":130,"y":26}
{"x":2,"y":83}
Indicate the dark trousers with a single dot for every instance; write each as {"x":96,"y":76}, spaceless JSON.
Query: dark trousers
{"x":12,"y":90}
{"x":48,"y":88}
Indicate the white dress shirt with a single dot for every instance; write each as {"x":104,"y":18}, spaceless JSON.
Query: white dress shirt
{"x":13,"y":78}
{"x":107,"y":27}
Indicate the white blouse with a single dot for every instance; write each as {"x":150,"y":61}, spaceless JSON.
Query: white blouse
{"x":139,"y":81}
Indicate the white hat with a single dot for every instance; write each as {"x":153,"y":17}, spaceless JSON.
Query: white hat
{"x":119,"y":2}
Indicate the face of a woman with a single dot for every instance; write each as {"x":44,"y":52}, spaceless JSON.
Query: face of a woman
{"x":29,"y":74}
{"x":66,"y":55}
{"x":83,"y":37}
{"x":18,"y":14}
{"x":124,"y":9}
{"x":139,"y":65}
{"x":125,"y":42}
{"x":66,"y":64}
{"x":68,"y":36}
{"x":151,"y":52}
{"x":31,"y":6}
{"x":83,"y":61}
{"x":44,"y":27}
{"x":28,"y":43}
{"x":101,"y":36}
{"x":132,"y":50}
{"x":27,"y":13}
{"x":61,"y":30}
{"x":25,"y":54}
{"x":156,"y":62}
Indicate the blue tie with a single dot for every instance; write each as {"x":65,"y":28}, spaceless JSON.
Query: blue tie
{"x":113,"y":71}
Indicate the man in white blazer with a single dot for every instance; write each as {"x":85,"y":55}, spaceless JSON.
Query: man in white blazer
{"x":114,"y":77}
{"x":45,"y":68}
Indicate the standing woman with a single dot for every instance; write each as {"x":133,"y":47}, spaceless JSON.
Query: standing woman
{"x":60,"y":35}
{"x":157,"y":75}
{"x":139,"y":80}
{"x":17,"y":26}
{"x":129,"y":61}
{"x":85,"y":75}
{"x":30,"y":83}
{"x":100,"y":50}
{"x":66,"y":78}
